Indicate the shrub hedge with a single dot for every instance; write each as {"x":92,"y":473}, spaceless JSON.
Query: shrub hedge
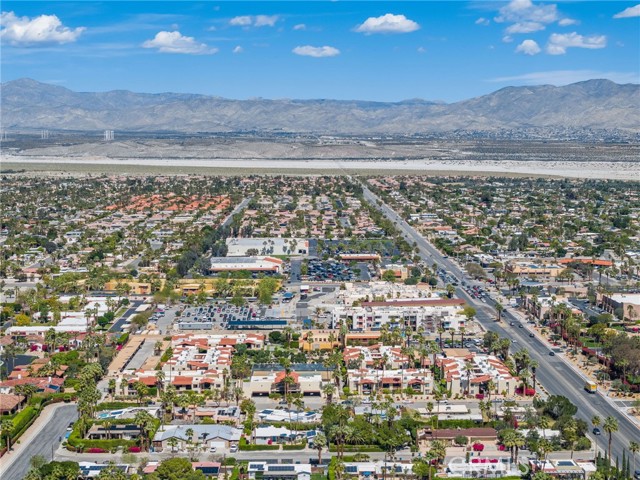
{"x":294,"y":446}
{"x":244,"y":445}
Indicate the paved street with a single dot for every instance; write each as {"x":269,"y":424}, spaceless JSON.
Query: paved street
{"x":41,"y":439}
{"x":119,"y":323}
{"x":237,"y":209}
{"x":557,"y":376}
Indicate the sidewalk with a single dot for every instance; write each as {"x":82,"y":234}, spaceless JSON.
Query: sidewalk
{"x":43,"y":419}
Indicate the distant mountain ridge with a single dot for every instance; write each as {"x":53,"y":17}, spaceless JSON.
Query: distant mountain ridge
{"x":597,"y":104}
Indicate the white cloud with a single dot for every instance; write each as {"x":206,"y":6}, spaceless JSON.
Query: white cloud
{"x":559,"y":42}
{"x":565,"y":22}
{"x":255,"y":21}
{"x":524,"y":27}
{"x":265,"y":20}
{"x":629,"y":12}
{"x":300,"y":26}
{"x":565,"y":77}
{"x":528,"y":47}
{"x":422,"y":50}
{"x":316,"y":52}
{"x":238,"y":49}
{"x":518,"y":11}
{"x":45,"y":29}
{"x":483,"y":21}
{"x":388,"y":23}
{"x":175,"y":42}
{"x":507,"y":39}
{"x":243,"y":21}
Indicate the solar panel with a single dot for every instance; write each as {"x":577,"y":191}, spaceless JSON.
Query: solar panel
{"x":282,"y":468}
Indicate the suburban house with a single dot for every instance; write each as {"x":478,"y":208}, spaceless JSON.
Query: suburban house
{"x":207,"y":435}
{"x":120,"y":432}
{"x":10,"y":404}
{"x":279,"y":471}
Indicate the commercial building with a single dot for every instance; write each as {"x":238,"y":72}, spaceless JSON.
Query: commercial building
{"x":368,"y":381}
{"x":257,"y":264}
{"x":238,"y":247}
{"x":305,"y":383}
{"x":469,"y":374}
{"x":427,"y":313}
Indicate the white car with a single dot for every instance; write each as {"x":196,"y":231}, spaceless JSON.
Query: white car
{"x":233,"y":448}
{"x":213,"y":449}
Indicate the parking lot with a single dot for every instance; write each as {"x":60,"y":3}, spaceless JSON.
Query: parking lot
{"x":330,"y":270}
{"x":219,"y":315}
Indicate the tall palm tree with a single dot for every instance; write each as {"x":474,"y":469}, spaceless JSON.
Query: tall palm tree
{"x":319,"y":443}
{"x":544,"y":447}
{"x":634,"y":447}
{"x":596,"y":421}
{"x":329,"y":389}
{"x":610,"y":426}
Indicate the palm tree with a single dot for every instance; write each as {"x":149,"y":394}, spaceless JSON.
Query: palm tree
{"x":499,"y":308}
{"x":634,"y":447}
{"x":173,"y":443}
{"x":519,"y":442}
{"x":112,"y":387}
{"x":319,"y":442}
{"x":6,"y":429}
{"x":544,"y":447}
{"x":610,"y":426}
{"x":107,"y":424}
{"x":438,"y":450}
{"x":509,"y":441}
{"x":596,"y":421}
{"x":144,"y":421}
{"x":329,"y":389}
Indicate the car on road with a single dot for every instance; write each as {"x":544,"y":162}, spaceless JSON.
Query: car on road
{"x":520,"y":326}
{"x":596,"y":431}
{"x":531,"y":335}
{"x":552,"y":354}
{"x":511,"y":323}
{"x":70,"y":427}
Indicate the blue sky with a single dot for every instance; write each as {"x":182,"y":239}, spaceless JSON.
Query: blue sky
{"x":385,"y":51}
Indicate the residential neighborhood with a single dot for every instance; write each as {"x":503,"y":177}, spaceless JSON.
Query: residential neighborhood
{"x":319,"y":327}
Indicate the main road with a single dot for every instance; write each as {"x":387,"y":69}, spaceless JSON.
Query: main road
{"x":554,"y":373}
{"x":42,"y":438}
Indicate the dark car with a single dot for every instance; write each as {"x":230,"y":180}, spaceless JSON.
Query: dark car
{"x":520,"y":326}
{"x":552,"y":354}
{"x":531,"y":335}
{"x":596,"y":431}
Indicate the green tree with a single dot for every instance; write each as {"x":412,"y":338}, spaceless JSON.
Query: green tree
{"x":176,"y":469}
{"x":112,"y":472}
{"x":266,"y":288}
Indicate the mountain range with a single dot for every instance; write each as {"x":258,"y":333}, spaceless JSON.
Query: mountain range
{"x":596,"y":104}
